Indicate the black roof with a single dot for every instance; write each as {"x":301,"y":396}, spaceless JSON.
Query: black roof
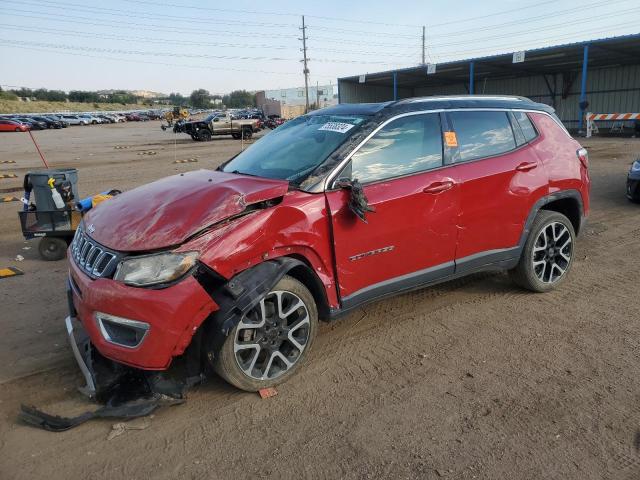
{"x":435,"y":103}
{"x":352,"y":109}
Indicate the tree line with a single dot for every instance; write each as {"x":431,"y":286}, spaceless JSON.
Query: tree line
{"x":199,"y":98}
{"x":81,"y":96}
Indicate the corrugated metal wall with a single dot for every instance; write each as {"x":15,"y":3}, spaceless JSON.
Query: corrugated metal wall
{"x":609,"y":90}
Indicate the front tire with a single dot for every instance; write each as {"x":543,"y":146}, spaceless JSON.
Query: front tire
{"x":272,"y":340}
{"x":548,"y":253}
{"x":204,"y":135}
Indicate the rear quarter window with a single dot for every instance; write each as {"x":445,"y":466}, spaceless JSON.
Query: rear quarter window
{"x":482,"y":134}
{"x":526,"y":126}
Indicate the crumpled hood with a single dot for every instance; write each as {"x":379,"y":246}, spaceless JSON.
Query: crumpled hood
{"x":167,"y":212}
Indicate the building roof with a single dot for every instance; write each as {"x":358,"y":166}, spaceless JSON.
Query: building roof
{"x":603,"y":52}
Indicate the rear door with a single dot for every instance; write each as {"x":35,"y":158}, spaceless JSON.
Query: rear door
{"x":499,"y":178}
{"x":410,"y":238}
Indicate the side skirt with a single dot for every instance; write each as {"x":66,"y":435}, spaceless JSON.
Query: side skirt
{"x":502,"y":259}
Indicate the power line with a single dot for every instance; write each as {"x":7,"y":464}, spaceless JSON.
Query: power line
{"x":149,"y":16}
{"x":470,"y":19}
{"x":360,"y":32}
{"x":534,"y":30}
{"x":163,"y":41}
{"x":173,"y":54}
{"x":155,"y":16}
{"x":120,"y":24}
{"x":137,"y":61}
{"x":340,"y":19}
{"x":529,"y":20}
{"x":254,"y":12}
{"x":144,"y":39}
{"x":527,"y":44}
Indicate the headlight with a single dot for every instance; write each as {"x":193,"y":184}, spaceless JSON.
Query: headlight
{"x":156,"y":268}
{"x":635,"y":167}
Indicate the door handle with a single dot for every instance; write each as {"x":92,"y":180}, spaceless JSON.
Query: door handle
{"x":526,"y":166}
{"x":439,"y":187}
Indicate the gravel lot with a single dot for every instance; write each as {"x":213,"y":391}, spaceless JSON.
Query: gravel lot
{"x":471,"y":379}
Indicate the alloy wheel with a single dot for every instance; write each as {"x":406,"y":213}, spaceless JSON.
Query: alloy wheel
{"x":271,"y":337}
{"x":552,"y":252}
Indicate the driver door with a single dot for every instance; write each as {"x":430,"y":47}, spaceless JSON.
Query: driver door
{"x":410,"y":239}
{"x":223,"y":124}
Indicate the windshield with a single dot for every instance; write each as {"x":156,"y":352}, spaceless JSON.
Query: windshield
{"x":295,"y":149}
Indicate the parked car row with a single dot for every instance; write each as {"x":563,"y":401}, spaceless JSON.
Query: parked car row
{"x":24,"y":122}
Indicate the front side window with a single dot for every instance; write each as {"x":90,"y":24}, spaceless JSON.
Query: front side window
{"x":482,"y":134}
{"x":406,"y":145}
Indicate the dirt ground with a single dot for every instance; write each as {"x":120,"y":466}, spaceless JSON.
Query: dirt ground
{"x":471,"y":379}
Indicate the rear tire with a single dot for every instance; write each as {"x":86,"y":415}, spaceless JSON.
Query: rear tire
{"x":548,"y":253}
{"x":247,"y":133}
{"x":52,"y":248}
{"x":282,"y":328}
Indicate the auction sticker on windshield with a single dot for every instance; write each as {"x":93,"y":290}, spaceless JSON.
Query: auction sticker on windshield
{"x":336,"y":127}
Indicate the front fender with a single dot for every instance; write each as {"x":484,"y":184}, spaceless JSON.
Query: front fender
{"x":241,"y":293}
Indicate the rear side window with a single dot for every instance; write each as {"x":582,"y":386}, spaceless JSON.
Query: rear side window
{"x":526,"y":126}
{"x":406,"y":145}
{"x":482,"y":134}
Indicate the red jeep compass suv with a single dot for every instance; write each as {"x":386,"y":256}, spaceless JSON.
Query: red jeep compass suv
{"x":345,"y":205}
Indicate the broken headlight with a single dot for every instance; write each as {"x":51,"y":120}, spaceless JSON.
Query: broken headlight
{"x":155,"y":268}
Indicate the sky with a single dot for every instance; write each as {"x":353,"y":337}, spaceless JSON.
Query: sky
{"x":181,"y":45}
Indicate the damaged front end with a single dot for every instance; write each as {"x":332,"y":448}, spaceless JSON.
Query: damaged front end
{"x":124,"y":391}
{"x":129,"y":392}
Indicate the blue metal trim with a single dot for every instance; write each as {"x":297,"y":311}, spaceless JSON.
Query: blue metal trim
{"x":395,"y":86}
{"x":583,"y":83}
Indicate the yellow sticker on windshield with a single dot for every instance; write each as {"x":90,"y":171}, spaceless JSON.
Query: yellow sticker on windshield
{"x":450,"y":139}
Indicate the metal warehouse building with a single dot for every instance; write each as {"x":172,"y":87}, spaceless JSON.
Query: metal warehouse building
{"x":605,"y":73}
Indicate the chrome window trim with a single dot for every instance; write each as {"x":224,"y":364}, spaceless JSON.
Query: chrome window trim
{"x":338,"y":168}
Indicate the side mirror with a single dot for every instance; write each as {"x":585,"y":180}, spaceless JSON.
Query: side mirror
{"x":358,"y":202}
{"x":216,"y":119}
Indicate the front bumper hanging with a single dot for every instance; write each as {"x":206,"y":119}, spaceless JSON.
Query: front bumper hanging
{"x":81,"y":347}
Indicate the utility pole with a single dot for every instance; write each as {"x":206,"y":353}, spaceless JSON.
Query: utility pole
{"x":423,"y":45}
{"x":304,"y":60}
{"x":317,"y":95}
